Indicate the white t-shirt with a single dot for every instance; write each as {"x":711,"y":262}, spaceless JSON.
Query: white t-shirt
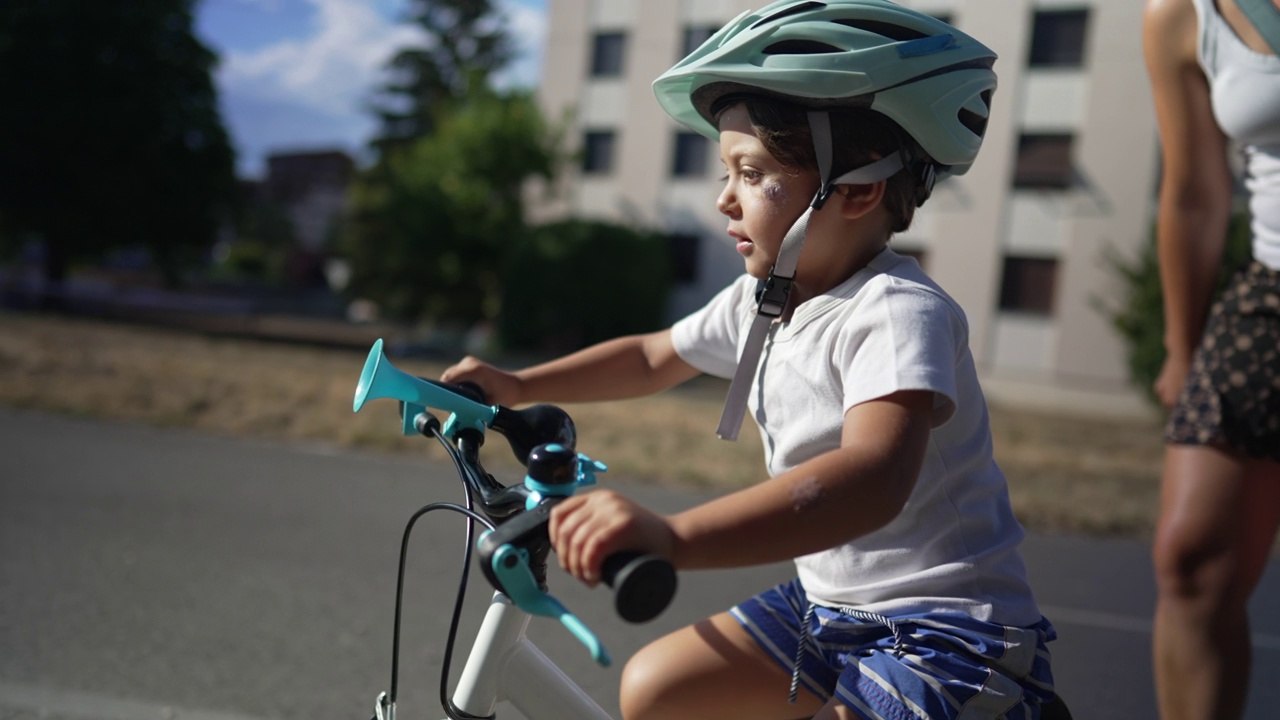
{"x":885,"y":329}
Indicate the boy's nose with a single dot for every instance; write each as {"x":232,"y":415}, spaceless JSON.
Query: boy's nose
{"x":727,"y":202}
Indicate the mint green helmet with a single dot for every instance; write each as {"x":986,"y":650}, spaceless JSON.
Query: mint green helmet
{"x":931,"y":79}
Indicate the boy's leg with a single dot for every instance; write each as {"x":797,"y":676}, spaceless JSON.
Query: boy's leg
{"x":712,"y":669}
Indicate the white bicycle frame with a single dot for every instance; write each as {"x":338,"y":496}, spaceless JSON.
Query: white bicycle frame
{"x":504,"y":665}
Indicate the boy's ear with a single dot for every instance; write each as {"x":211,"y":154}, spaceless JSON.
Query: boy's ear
{"x":858,"y":200}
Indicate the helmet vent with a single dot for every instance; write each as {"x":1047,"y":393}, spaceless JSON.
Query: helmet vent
{"x":800,"y":47}
{"x":793,"y":10}
{"x":884,"y":29}
{"x":976,"y":123}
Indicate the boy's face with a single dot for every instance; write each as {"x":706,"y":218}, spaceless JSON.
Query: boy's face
{"x":761,"y":197}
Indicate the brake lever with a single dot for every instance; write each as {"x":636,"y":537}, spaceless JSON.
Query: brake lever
{"x":510,"y":566}
{"x":505,"y":561}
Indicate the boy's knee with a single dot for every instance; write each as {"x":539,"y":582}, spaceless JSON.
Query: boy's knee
{"x":646,"y":687}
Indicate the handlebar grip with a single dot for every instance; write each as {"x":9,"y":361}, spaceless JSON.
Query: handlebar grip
{"x":643,"y":585}
{"x":471,"y":390}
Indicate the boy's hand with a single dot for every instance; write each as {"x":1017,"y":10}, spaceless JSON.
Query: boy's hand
{"x":500,"y":387}
{"x":586,"y":529}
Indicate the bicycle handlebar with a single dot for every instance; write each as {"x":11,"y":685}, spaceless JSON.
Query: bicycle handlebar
{"x":542,"y":437}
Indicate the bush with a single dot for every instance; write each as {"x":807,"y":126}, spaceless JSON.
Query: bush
{"x":577,"y":282}
{"x":1140,"y":318}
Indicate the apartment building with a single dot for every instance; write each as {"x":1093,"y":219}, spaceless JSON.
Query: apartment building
{"x":1066,"y":177}
{"x":312,"y":187}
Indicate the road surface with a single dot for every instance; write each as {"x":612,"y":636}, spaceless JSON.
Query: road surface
{"x":161,"y":574}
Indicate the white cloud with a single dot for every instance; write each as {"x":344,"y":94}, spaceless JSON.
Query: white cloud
{"x":313,"y":88}
{"x":527,"y":24}
{"x":333,"y":69}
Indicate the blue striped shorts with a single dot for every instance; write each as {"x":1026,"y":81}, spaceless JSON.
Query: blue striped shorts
{"x":939,"y":665}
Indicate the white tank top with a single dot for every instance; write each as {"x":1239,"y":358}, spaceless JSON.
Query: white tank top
{"x":1246,"y":103}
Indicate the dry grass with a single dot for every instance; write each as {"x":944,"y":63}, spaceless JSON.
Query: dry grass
{"x":1091,"y":475}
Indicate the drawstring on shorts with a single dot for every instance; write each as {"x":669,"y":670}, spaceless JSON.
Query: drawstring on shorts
{"x":899,"y":643}
{"x":804,"y":640}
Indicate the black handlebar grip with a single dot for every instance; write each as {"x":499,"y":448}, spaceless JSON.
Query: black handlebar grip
{"x":643,"y":585}
{"x":474,"y":390}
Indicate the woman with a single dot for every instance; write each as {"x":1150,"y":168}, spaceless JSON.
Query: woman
{"x":1216,"y":83}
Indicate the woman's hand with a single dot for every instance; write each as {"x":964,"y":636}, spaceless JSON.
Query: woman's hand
{"x":500,"y":387}
{"x":587,"y":528}
{"x":1173,"y":375}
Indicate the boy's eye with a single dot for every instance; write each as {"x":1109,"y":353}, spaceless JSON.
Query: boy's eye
{"x":748,"y":174}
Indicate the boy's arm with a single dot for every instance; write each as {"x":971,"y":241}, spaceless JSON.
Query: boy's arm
{"x":625,"y":367}
{"x":827,"y":501}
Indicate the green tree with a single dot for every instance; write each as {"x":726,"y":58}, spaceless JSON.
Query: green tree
{"x":466,"y":42}
{"x":577,"y":282}
{"x":110,"y":134}
{"x":258,"y":253}
{"x":1139,"y":317}
{"x":431,"y":229}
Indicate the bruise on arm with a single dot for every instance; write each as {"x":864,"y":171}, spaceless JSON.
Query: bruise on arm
{"x":827,"y":501}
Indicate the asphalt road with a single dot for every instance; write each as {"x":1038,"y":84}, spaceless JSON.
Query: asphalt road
{"x":156,"y":574}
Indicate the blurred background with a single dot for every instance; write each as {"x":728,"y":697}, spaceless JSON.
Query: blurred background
{"x":445,"y":166}
{"x":209,"y":211}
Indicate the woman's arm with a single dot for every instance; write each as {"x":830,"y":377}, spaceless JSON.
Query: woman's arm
{"x":1195,"y":184}
{"x":625,"y":367}
{"x":827,"y":501}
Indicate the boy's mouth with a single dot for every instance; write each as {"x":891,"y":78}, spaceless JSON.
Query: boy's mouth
{"x":743,"y":243}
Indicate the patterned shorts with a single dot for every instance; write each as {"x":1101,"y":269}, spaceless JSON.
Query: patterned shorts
{"x":1232,"y":395}
{"x":938,"y":665}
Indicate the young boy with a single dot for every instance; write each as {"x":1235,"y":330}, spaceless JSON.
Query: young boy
{"x":911,"y":598}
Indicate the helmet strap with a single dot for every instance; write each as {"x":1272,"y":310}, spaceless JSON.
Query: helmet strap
{"x":774,"y":292}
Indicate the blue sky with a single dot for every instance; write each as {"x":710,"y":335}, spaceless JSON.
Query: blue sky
{"x":298,"y":74}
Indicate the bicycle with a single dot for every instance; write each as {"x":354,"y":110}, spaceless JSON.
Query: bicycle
{"x":503,"y":664}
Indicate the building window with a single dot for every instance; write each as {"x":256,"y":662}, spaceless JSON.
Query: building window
{"x":1057,"y":39}
{"x":694,"y":36}
{"x":597,"y":152}
{"x":683,"y":251}
{"x":690,"y":158}
{"x":607,"y":53}
{"x":1028,"y":285}
{"x":1044,"y":162}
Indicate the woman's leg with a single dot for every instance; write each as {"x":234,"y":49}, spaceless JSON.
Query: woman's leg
{"x":712,"y":669}
{"x":1218,"y":519}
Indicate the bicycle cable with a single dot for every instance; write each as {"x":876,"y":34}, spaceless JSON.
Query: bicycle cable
{"x":446,"y":701}
{"x":473,"y":517}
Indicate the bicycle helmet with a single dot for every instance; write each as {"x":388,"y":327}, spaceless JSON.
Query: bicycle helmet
{"x":934,"y":81}
{"x":931,"y":79}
